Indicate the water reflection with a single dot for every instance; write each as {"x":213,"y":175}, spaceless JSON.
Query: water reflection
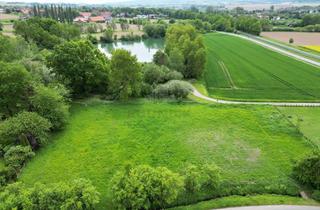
{"x":144,"y":50}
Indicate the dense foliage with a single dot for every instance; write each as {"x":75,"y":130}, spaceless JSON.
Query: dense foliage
{"x":155,"y":30}
{"x":79,"y":194}
{"x":249,"y":24}
{"x":80,"y":66}
{"x":45,"y":32}
{"x":125,"y":75}
{"x":145,"y":187}
{"x":15,"y":88}
{"x":307,"y":171}
{"x":26,"y":128}
{"x":186,"y":50}
{"x":175,"y":89}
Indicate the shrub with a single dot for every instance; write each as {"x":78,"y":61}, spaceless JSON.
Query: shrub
{"x":192,"y":178}
{"x":211,"y":176}
{"x":79,"y":194}
{"x":25,"y":128}
{"x":50,"y":104}
{"x":291,"y":40}
{"x":152,"y":74}
{"x":173,"y":75}
{"x":316,"y":195}
{"x":307,"y":171}
{"x":173,"y":89}
{"x":17,"y":156}
{"x":145,"y":187}
{"x":92,"y":39}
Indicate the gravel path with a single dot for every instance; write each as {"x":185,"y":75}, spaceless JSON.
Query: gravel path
{"x":274,"y":207}
{"x":277,"y":49}
{"x":199,"y":95}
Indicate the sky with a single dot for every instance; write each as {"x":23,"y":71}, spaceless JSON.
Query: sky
{"x":70,"y":1}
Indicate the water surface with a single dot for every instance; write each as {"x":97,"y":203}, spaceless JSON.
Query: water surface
{"x":144,"y":49}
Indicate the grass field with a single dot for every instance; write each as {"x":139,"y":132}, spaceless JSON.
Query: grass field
{"x":247,"y":201}
{"x":241,"y":70}
{"x":307,"y":121}
{"x":254,"y":146}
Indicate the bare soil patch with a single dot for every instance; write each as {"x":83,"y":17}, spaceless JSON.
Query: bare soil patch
{"x":300,"y":38}
{"x":8,"y":17}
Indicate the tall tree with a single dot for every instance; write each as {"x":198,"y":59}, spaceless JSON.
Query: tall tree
{"x":125,"y":75}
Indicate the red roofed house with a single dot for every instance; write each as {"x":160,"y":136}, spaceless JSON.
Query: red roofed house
{"x":85,"y":14}
{"x":107,"y":16}
{"x":97,"y":19}
{"x":83,"y":18}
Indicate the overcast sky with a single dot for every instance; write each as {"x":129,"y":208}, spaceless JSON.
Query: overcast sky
{"x":69,"y":1}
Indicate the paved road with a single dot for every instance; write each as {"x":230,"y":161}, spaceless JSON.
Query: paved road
{"x":274,"y":207}
{"x":277,"y":49}
{"x":199,"y":95}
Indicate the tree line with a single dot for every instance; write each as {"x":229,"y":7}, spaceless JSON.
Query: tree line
{"x":56,"y":12}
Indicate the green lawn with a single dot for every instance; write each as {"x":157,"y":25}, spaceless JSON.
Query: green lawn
{"x":307,"y":121}
{"x":248,"y":201}
{"x":242,"y":70}
{"x":254,"y":146}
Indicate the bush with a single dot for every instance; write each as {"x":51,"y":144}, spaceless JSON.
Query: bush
{"x":17,"y":156}
{"x":25,"y":128}
{"x":316,"y":195}
{"x":173,"y":89}
{"x":154,"y":74}
{"x":50,"y":104}
{"x":92,"y":39}
{"x":211,"y":176}
{"x":307,"y":171}
{"x":79,"y":194}
{"x":192,"y":179}
{"x":145,"y":187}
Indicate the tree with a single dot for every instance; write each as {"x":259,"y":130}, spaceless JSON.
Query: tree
{"x":1,"y":27}
{"x":50,"y":104}
{"x":14,"y":49}
{"x":160,"y":58}
{"x":307,"y":171}
{"x":125,"y":74}
{"x":81,"y":67}
{"x":155,"y":30}
{"x":145,"y":187}
{"x":186,"y":51}
{"x":26,"y":128}
{"x":15,"y":88}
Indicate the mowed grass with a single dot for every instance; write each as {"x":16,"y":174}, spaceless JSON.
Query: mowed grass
{"x":306,"y":119}
{"x":248,"y":201}
{"x":254,"y":146}
{"x":242,"y":70}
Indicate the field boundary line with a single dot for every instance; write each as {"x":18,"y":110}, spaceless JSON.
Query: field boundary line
{"x":227,"y":74}
{"x":277,"y":49}
{"x":197,"y":94}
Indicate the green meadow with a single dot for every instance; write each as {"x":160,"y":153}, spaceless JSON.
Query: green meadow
{"x":254,"y":146}
{"x":238,"y":69}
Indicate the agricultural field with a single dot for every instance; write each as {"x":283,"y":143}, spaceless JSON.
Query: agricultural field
{"x":238,"y":69}
{"x":254,"y":146}
{"x":314,"y":47}
{"x":300,"y":38}
{"x":307,"y":120}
